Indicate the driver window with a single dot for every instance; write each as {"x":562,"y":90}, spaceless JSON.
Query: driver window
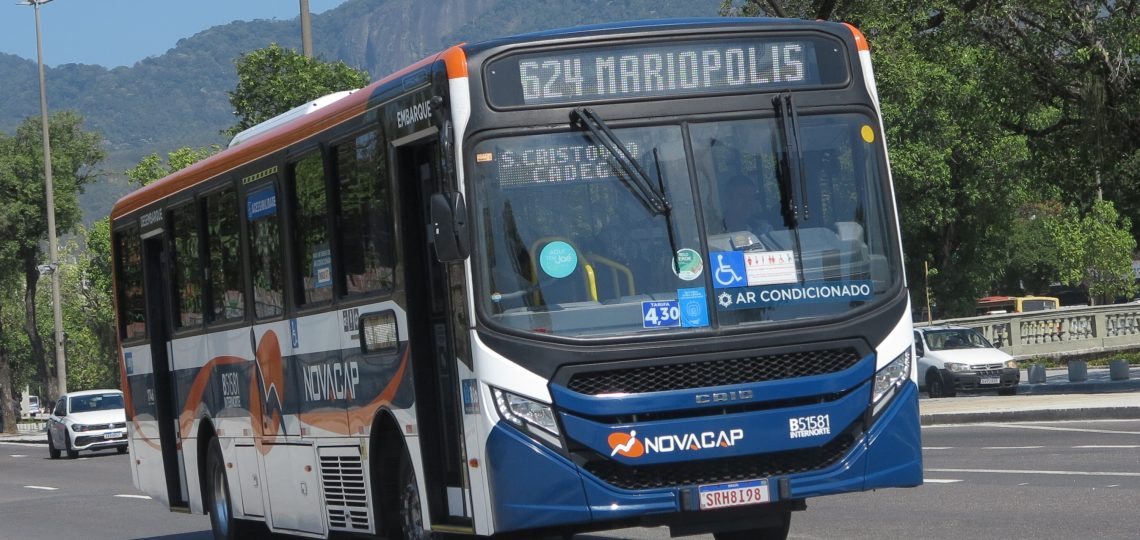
{"x":60,"y":407}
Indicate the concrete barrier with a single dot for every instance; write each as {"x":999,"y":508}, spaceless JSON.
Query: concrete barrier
{"x":1036,"y":374}
{"x":1078,"y":370}
{"x":1118,"y":370}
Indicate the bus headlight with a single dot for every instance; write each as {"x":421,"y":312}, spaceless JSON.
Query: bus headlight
{"x":532,"y":417}
{"x":889,"y":379}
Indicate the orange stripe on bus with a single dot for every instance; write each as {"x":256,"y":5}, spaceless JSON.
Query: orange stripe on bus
{"x":293,"y":132}
{"x":860,"y":39}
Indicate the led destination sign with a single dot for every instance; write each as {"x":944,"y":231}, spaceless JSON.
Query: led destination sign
{"x":745,"y":65}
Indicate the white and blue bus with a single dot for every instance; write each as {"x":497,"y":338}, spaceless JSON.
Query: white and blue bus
{"x":636,"y":274}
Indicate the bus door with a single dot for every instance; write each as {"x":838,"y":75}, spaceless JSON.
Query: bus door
{"x":432,"y":334}
{"x":156,"y":276}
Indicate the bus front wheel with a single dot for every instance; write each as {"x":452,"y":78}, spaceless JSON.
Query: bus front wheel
{"x":774,"y":532}
{"x":219,"y":503}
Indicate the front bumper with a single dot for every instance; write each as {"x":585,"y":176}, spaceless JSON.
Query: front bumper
{"x":94,"y":440}
{"x":982,"y":380}
{"x":572,"y":494}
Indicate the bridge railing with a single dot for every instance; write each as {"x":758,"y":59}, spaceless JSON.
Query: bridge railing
{"x":1061,"y":332}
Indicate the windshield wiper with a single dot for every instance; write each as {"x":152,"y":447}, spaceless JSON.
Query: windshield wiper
{"x":791,"y":170}
{"x":792,"y":160}
{"x":635,"y":176}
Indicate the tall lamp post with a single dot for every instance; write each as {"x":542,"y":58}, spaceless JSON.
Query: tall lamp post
{"x":53,"y":249}
{"x":306,"y":30}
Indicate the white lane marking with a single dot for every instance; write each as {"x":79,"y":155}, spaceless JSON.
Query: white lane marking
{"x":1056,"y":473}
{"x":1055,"y":428}
{"x":45,"y":488}
{"x":937,"y":447}
{"x":939,"y":481}
{"x":1024,"y":484}
{"x":1113,"y":485}
{"x":1011,"y":447}
{"x":1106,"y":446}
{"x":125,"y":496}
{"x":18,"y":455}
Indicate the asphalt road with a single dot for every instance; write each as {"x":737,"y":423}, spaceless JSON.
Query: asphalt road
{"x":1031,"y":480}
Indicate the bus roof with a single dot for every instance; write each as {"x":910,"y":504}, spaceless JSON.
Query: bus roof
{"x":348,"y":107}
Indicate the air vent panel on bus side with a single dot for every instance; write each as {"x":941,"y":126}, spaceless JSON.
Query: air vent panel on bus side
{"x":346,"y":489}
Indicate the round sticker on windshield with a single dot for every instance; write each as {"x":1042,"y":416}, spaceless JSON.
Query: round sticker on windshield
{"x":558,"y":259}
{"x":688,"y":264}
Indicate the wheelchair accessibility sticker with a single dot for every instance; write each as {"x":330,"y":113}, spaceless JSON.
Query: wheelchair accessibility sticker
{"x":739,"y":269}
{"x":728,"y":269}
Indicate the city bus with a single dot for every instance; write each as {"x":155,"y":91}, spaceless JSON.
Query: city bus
{"x":992,"y":305}
{"x":637,"y":274}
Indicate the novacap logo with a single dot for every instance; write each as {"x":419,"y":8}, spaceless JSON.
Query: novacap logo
{"x":628,"y":445}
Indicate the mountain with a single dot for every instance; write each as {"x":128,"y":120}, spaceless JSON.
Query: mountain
{"x":180,"y":98}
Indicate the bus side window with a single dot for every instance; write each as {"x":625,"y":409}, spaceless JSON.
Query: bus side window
{"x":187,"y":271}
{"x":312,"y":257}
{"x":132,"y":304}
{"x":223,"y":236}
{"x":265,"y":251}
{"x":364,"y":217}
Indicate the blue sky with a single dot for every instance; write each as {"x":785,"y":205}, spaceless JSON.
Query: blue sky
{"x":121,"y":32}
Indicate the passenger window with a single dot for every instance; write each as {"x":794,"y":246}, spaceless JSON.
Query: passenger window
{"x":313,"y":259}
{"x":365,"y":219}
{"x":132,"y":303}
{"x":187,"y":267}
{"x":265,"y":252}
{"x":227,"y":302}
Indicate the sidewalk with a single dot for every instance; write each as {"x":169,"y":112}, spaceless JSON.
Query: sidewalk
{"x":1098,"y":398}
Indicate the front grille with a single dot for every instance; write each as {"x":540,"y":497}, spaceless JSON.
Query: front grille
{"x":687,"y":375}
{"x":716,"y":471}
{"x":116,"y":425}
{"x":93,"y":439}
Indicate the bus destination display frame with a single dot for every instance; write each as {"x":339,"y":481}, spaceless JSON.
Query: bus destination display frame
{"x":666,"y":69}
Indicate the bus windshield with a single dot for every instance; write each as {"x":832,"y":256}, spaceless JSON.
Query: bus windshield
{"x":566,"y":246}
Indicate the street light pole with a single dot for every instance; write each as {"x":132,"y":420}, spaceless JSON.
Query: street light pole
{"x":53,"y":248}
{"x":306,"y":30}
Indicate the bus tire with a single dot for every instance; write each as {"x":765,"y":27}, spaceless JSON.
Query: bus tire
{"x":411,"y":507}
{"x":773,"y":532}
{"x":220,"y":505}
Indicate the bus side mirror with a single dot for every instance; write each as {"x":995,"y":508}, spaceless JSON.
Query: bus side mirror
{"x":448,"y":227}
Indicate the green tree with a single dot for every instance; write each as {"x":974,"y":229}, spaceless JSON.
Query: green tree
{"x":75,"y":153}
{"x":1095,"y":251}
{"x":273,"y":80}
{"x":151,"y":167}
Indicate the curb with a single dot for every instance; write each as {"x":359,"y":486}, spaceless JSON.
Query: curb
{"x":1038,"y":415}
{"x":1078,"y":388}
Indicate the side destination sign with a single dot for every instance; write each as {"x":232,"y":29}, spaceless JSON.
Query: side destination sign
{"x":747,"y":64}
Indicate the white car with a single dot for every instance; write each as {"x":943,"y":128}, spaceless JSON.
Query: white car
{"x":954,"y":358}
{"x":88,"y":420}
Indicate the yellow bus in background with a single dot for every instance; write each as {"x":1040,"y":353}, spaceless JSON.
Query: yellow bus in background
{"x":992,"y":305}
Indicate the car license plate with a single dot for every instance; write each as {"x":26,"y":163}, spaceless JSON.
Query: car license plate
{"x":113,"y":435}
{"x":734,"y":494}
{"x":991,"y":380}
